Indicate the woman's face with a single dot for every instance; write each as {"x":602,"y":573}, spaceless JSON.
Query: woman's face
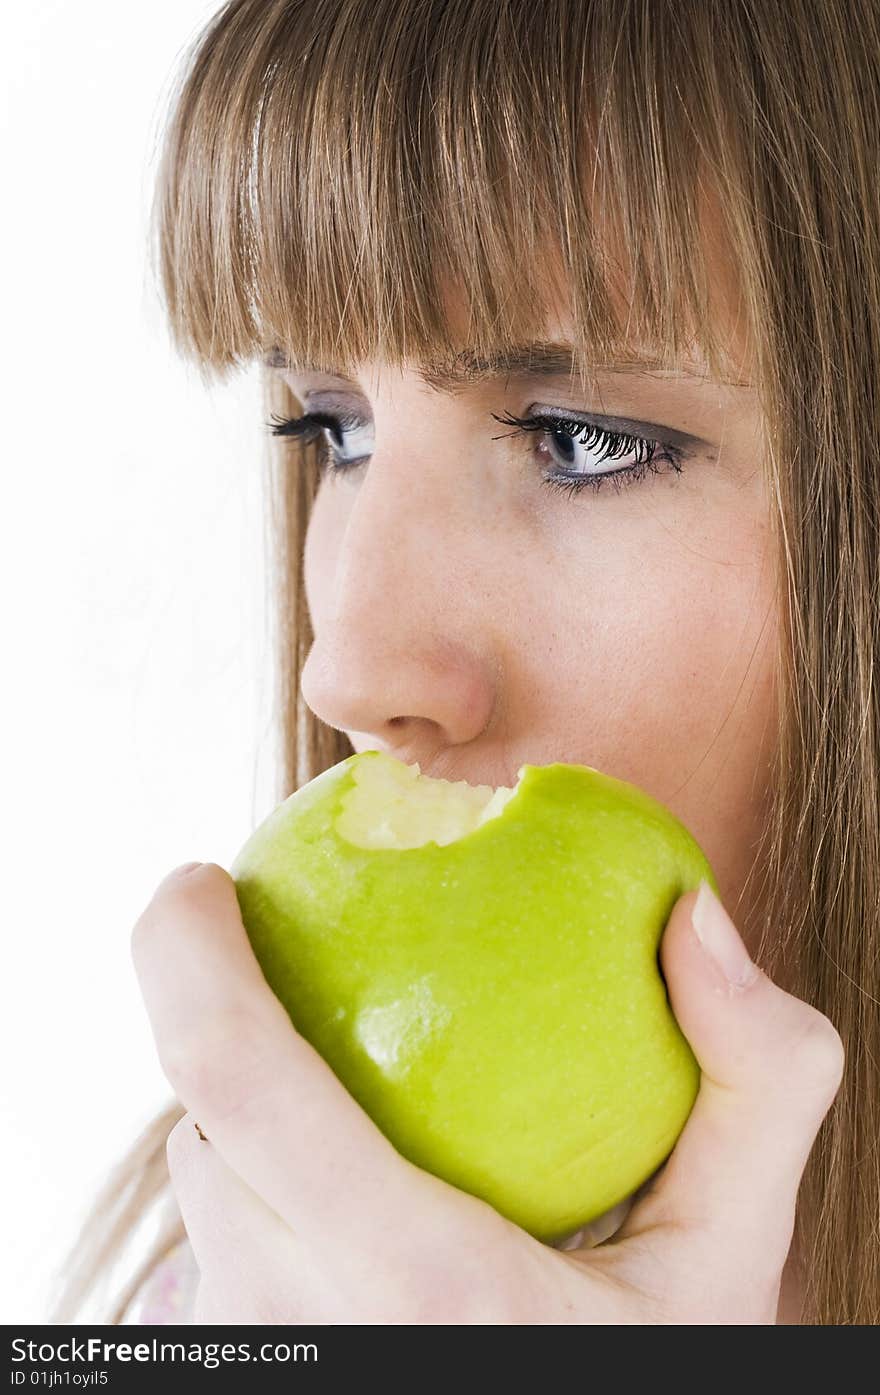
{"x":472,"y":617}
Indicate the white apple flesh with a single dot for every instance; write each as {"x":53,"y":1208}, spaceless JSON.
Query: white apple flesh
{"x":394,"y":806}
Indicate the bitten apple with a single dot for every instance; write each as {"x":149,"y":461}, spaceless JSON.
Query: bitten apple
{"x":479,"y":968}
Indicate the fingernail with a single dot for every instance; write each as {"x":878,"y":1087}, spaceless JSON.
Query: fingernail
{"x":720,"y":939}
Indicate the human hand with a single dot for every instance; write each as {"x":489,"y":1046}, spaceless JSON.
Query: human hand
{"x":299,"y":1210}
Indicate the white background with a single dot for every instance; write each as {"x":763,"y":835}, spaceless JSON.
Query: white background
{"x":137,"y":678}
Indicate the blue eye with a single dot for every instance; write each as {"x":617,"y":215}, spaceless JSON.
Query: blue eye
{"x":565,"y":434}
{"x":651,"y":456}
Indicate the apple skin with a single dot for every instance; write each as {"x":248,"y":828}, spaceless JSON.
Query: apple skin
{"x":495,"y":1005}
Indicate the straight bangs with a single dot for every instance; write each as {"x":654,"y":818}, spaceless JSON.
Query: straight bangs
{"x":375,"y":178}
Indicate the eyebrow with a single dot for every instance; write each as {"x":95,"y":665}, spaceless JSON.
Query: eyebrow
{"x":540,"y":358}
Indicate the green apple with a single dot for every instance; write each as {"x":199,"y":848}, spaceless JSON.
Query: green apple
{"x":479,"y":968}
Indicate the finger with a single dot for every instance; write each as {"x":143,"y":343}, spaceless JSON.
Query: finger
{"x":267,"y":1101}
{"x":247,"y":1256}
{"x":771,"y":1066}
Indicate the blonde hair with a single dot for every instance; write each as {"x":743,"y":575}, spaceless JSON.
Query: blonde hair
{"x":328,"y":168}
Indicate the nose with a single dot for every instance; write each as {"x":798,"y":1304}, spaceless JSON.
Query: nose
{"x":403,"y":652}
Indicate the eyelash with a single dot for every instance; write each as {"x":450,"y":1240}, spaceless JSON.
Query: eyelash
{"x":614,"y":444}
{"x":310,"y":426}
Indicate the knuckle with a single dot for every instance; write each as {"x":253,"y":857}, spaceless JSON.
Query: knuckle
{"x":176,"y":888}
{"x":818,"y":1054}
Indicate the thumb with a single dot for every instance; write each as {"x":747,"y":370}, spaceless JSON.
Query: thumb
{"x":771,"y":1066}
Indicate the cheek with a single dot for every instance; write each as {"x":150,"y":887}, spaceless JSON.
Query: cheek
{"x":706,"y":665}
{"x":668,"y":680}
{"x":712,"y":734}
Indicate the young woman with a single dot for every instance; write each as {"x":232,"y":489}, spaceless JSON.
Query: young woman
{"x":570,"y":317}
